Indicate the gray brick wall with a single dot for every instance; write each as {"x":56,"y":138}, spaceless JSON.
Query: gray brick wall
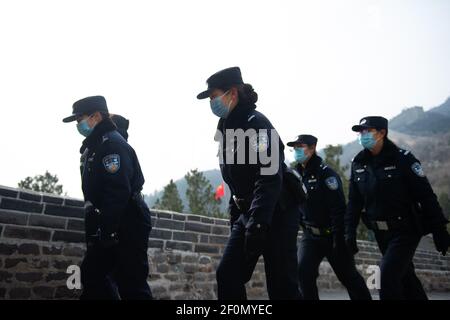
{"x":41,"y":235}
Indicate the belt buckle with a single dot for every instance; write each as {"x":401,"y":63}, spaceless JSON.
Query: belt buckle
{"x":382,"y":225}
{"x":315,"y":231}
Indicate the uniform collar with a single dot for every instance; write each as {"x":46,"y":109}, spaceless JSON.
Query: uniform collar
{"x":96,"y":136}
{"x":388,"y":153}
{"x":312,"y":165}
{"x":238,"y":114}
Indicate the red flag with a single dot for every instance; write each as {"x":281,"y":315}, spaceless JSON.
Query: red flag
{"x":220,"y":191}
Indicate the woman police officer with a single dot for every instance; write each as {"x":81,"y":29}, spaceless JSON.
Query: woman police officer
{"x":399,"y":205}
{"x":264,"y":217}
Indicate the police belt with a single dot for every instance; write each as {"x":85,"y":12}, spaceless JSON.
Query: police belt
{"x":317,"y":231}
{"x":387,"y":225}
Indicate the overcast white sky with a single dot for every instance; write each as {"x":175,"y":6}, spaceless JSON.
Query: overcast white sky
{"x":318,"y":67}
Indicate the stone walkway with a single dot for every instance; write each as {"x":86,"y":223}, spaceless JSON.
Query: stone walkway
{"x":342,"y":295}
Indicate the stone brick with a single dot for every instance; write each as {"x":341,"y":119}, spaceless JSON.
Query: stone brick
{"x":190,"y":259}
{"x":73,"y":252}
{"x":8,"y":192}
{"x":158,"y":289}
{"x":169,"y":224}
{"x":204,"y":238}
{"x":191,"y":217}
{"x":29,"y":248}
{"x":11,"y":217}
{"x":21,"y":205}
{"x":185,"y":236}
{"x":179,"y":217}
{"x":156,"y":244}
{"x":73,"y":203}
{"x":2,"y":293}
{"x":64,"y":211}
{"x":7,"y":249}
{"x":164,"y":215}
{"x":52,"y":250}
{"x":57,"y":276}
{"x":44,"y":292}
{"x":26,"y":233}
{"x":207,"y":220}
{"x":5,"y":276}
{"x":29,"y":276}
{"x":20,"y":293}
{"x":69,"y":236}
{"x":53,"y":200}
{"x":46,"y":221}
{"x":198,"y":227}
{"x":161,"y":234}
{"x":222,"y":222}
{"x":62,"y":264}
{"x":35,"y":197}
{"x":218,"y":239}
{"x":172,"y":277}
{"x":13,"y":262}
{"x":175,"y":245}
{"x":75,"y":224}
{"x":223,"y":231}
{"x":204,"y":260}
{"x":200,"y":277}
{"x":190,"y":268}
{"x":174,"y":258}
{"x":162,"y":268}
{"x":206,"y":248}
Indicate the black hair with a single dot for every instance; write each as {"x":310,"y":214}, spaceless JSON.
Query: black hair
{"x":247,"y":95}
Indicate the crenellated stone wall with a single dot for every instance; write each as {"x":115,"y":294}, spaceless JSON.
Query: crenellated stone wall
{"x":41,"y":236}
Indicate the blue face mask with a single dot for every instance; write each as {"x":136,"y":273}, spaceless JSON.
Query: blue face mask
{"x":219,"y":108}
{"x":83,"y":128}
{"x":300,"y":156}
{"x":367,"y":140}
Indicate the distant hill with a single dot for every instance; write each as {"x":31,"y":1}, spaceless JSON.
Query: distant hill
{"x":415,"y":121}
{"x":427,"y":135}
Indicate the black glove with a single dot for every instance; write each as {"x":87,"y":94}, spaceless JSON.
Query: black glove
{"x":255,"y":241}
{"x":352,"y":245}
{"x":441,"y":240}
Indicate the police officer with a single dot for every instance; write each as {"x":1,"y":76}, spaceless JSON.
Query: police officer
{"x":122,"y":125}
{"x":264,"y":218}
{"x":323,"y":224}
{"x":389,"y":188}
{"x":117,"y":220}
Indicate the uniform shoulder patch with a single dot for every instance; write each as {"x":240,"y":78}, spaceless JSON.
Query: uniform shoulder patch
{"x":417,"y":169}
{"x":332,"y":183}
{"x":259,"y":142}
{"x":111,"y":163}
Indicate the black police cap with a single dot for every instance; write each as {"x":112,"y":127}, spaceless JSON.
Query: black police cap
{"x":87,"y":106}
{"x":371,"y":123}
{"x":222,"y":79}
{"x":303,"y":139}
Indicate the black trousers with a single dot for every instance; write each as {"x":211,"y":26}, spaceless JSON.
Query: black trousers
{"x":120,"y":272}
{"x":312,"y":251}
{"x":398,"y":277}
{"x":280,"y":260}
